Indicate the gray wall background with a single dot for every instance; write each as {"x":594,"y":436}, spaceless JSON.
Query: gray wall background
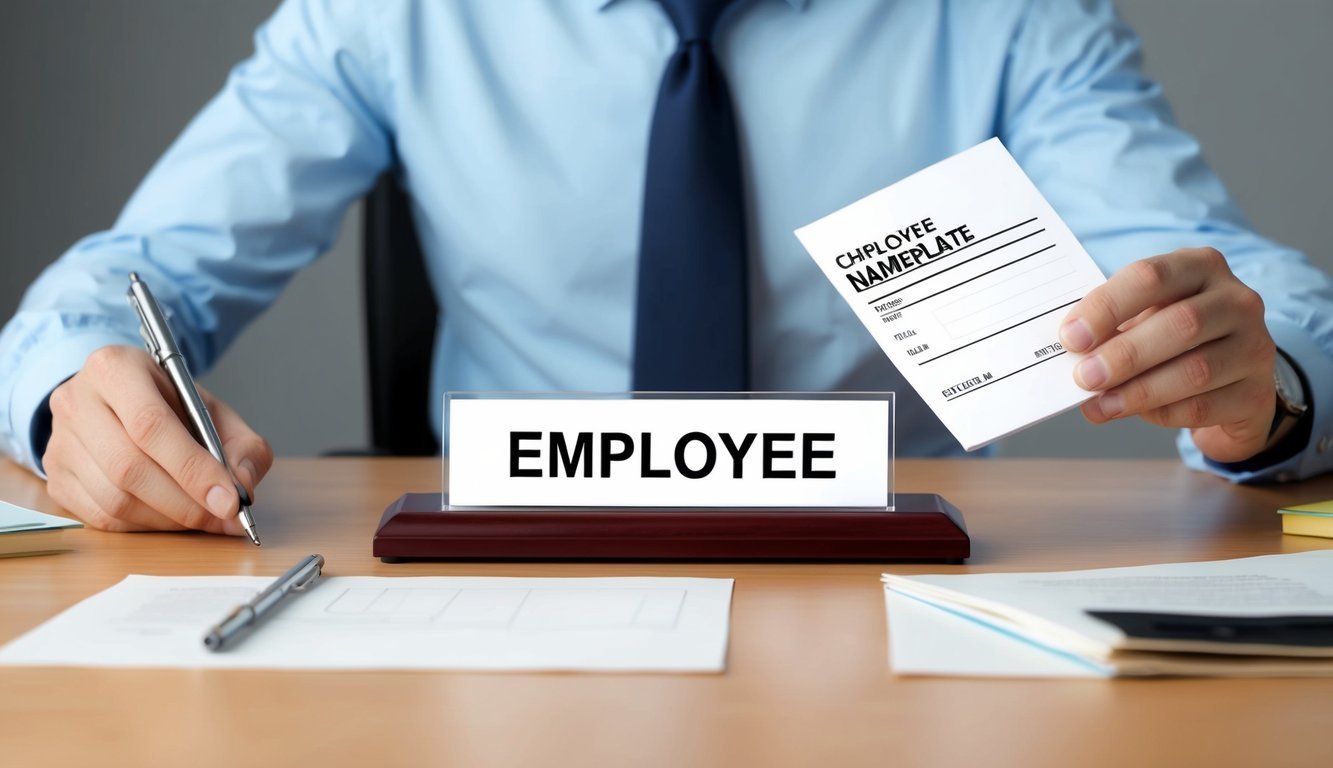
{"x":94,"y":90}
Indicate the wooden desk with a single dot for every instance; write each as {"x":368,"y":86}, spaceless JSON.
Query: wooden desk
{"x":807,"y":680}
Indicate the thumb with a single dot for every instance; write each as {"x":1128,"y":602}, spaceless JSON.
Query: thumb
{"x":248,"y":453}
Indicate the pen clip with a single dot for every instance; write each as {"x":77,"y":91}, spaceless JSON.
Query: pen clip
{"x":317,"y":568}
{"x":143,"y":319}
{"x":150,"y":343}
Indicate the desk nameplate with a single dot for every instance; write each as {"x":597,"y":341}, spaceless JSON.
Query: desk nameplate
{"x":921,"y":527}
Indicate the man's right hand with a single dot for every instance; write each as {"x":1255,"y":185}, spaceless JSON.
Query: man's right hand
{"x":121,"y":459}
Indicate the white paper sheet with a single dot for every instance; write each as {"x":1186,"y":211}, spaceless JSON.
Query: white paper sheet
{"x":461,"y":623}
{"x":962,"y":273}
{"x":930,"y":641}
{"x":14,"y":519}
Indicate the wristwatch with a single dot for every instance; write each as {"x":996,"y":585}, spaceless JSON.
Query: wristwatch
{"x":1291,"y":402}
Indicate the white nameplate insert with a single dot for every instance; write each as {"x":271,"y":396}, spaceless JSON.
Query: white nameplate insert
{"x":669,"y":452}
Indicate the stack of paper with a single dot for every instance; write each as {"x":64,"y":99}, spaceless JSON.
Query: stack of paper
{"x":1309,"y":519}
{"x":1260,"y":616}
{"x":25,"y":532}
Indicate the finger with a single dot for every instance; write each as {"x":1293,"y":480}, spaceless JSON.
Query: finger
{"x":111,"y":508}
{"x":249,"y":453}
{"x":1157,"y":338}
{"x":1138,"y":319}
{"x":1239,"y":440}
{"x":115,"y":509}
{"x":1233,"y":423}
{"x":131,"y":470}
{"x":1201,"y":370}
{"x":1140,"y":286}
{"x":167,"y":391}
{"x":66,"y":490}
{"x":77,"y":501}
{"x":154,"y":427}
{"x":64,"y":453}
{"x":1234,"y":406}
{"x":70,"y":494}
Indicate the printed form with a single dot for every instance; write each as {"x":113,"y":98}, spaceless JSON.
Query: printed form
{"x":963,"y":273}
{"x":405,"y":622}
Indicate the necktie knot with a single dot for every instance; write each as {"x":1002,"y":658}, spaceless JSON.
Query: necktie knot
{"x":695,"y":20}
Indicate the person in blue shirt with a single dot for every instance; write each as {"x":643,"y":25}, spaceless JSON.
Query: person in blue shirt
{"x":520,"y":131}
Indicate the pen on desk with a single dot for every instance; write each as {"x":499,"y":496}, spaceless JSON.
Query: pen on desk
{"x":161,"y":344}
{"x":296,"y":579}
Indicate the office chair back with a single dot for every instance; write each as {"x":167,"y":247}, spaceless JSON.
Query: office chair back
{"x":401,"y":316}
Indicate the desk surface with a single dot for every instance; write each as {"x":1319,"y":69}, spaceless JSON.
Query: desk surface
{"x":807,"y":681}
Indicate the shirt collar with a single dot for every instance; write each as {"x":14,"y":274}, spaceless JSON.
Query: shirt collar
{"x":796,"y":5}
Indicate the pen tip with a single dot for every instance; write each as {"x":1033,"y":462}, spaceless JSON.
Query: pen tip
{"x":248,"y":525}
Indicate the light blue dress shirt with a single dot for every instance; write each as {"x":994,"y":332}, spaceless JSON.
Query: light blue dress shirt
{"x":520,"y":129}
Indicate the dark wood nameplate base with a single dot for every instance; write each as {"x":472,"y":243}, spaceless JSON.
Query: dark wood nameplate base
{"x":922,"y":528}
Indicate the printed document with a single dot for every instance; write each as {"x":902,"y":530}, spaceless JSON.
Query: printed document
{"x":962,"y":273}
{"x":459,"y":623}
{"x":1255,"y":616}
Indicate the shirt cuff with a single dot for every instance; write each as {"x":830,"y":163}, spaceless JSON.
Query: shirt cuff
{"x":44,"y":369}
{"x":1311,"y":459}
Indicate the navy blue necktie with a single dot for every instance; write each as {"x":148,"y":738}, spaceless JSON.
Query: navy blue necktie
{"x":691,"y":328}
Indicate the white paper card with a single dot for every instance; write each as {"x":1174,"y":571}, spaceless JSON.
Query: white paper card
{"x":432,"y":622}
{"x":962,"y":273}
{"x":15,"y":519}
{"x":668,"y":452}
{"x":925,"y":639}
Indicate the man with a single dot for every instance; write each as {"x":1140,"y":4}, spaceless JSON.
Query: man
{"x":522,"y":132}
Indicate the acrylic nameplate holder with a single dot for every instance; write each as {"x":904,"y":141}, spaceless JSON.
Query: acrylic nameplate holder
{"x":670,"y":476}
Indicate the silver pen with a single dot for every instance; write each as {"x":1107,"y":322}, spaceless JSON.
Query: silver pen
{"x":296,"y":579}
{"x":161,"y":344}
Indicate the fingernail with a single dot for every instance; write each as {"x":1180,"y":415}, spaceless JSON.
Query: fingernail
{"x":1092,"y":411}
{"x":1076,"y":335}
{"x":1091,"y":372}
{"x":220,"y":501}
{"x":1111,"y":404}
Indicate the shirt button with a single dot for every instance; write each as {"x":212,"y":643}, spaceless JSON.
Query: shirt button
{"x":1323,"y":444}
{"x":1286,"y":477}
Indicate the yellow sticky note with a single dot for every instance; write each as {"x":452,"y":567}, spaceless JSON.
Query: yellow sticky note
{"x":1308,"y":519}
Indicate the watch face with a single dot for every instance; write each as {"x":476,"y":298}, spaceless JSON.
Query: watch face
{"x":1290,"y":394}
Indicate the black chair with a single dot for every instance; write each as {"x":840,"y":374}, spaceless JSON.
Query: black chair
{"x":401,"y":316}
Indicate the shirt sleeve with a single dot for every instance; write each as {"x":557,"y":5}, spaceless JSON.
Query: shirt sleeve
{"x":253,"y":190}
{"x":1097,"y":137}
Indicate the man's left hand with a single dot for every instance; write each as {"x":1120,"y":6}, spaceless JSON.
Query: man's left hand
{"x":1179,"y":341}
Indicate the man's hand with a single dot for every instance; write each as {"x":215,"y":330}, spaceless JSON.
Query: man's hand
{"x":121,"y":459}
{"x":1179,"y":341}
